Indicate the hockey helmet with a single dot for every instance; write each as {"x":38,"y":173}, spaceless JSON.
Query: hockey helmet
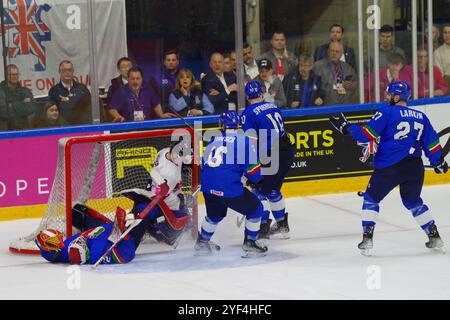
{"x":401,"y":89}
{"x":253,"y":90}
{"x":182,"y":150}
{"x":50,"y":240}
{"x":229,"y":120}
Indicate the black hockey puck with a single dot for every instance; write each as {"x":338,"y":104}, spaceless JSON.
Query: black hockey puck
{"x":361,"y":193}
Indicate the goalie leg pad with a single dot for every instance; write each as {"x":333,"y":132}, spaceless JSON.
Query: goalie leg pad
{"x":85,"y":218}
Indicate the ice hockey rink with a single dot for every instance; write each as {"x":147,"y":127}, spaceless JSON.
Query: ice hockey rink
{"x":320,"y":261}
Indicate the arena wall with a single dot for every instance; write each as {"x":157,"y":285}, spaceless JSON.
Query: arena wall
{"x":325,"y":161}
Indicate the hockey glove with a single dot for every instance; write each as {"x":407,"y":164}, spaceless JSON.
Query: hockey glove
{"x":441,"y":167}
{"x":162,"y":189}
{"x":341,"y":124}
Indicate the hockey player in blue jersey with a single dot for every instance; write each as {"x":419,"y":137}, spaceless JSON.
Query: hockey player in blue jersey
{"x":263,"y":118}
{"x":87,"y":247}
{"x":402,"y":135}
{"x":226,"y":159}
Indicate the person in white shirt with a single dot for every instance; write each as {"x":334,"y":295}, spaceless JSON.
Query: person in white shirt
{"x":250,"y":66}
{"x":442,"y":55}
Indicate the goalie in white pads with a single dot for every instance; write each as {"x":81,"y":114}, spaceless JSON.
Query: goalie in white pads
{"x":170,"y":217}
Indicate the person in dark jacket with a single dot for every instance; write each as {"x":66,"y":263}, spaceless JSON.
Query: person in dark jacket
{"x":187,"y":99}
{"x":51,"y":117}
{"x":123,"y":66}
{"x":302,"y":86}
{"x":16,"y":102}
{"x":72,"y":97}
{"x":220,"y":87}
{"x":336,"y":35}
{"x":163,"y":82}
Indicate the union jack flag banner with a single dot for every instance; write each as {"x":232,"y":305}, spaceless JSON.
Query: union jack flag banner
{"x":41,"y":33}
{"x":368,"y":149}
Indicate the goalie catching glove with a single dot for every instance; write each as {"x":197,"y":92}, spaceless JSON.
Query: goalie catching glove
{"x":341,"y":123}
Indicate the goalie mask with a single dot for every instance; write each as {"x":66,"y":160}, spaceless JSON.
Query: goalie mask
{"x":181,"y":152}
{"x":50,"y":240}
{"x":79,"y":251}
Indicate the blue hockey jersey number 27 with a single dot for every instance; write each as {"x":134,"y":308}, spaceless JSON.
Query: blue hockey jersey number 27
{"x":401,"y":132}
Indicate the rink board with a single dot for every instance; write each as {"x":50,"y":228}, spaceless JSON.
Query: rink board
{"x":325,"y":162}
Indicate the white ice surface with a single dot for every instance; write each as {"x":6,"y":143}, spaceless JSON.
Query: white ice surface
{"x":320,"y":261}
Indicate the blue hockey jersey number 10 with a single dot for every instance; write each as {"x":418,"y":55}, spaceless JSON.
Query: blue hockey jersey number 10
{"x":401,"y":132}
{"x":263,"y":116}
{"x":225,"y":160}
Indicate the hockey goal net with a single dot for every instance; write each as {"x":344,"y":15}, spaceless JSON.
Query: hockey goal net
{"x":92,"y":170}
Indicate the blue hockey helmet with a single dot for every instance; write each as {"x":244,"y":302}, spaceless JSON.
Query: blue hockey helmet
{"x":401,"y":89}
{"x":253,"y":90}
{"x":229,"y":120}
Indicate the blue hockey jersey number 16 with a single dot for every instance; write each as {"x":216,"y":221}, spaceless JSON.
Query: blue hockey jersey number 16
{"x":401,"y":132}
{"x":225,"y":160}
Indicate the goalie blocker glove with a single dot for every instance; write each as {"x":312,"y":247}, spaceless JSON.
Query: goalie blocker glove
{"x":341,"y":124}
{"x":441,"y":167}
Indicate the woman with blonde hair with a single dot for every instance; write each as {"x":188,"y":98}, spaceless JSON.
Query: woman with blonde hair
{"x":187,"y":98}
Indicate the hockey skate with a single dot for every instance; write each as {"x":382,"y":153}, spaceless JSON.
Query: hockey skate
{"x":253,"y":249}
{"x":264,"y":230}
{"x":367,"y":243}
{"x":205,"y":247}
{"x":280,"y":229}
{"x":435,"y":242}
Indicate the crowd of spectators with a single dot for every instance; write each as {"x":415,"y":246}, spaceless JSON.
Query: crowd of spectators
{"x":326,"y":77}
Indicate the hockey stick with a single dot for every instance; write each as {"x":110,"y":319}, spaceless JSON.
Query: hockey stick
{"x":141,"y":217}
{"x":182,"y":118}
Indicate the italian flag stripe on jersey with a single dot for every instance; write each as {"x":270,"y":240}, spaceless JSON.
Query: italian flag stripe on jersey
{"x":94,"y":233}
{"x":435,"y":146}
{"x":116,"y":256}
{"x":254,"y":168}
{"x":370,"y":133}
{"x":251,"y":137}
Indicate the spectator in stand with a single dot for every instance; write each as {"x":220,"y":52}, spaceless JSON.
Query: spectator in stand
{"x":392,"y":73}
{"x":72,"y":97}
{"x":233,"y":61}
{"x":187,"y":98}
{"x":163,"y":82}
{"x":50,"y":117}
{"x":250,"y":66}
{"x":302,"y":86}
{"x":123,"y":66}
{"x":338,"y":77}
{"x":279,"y":56}
{"x":16,"y":102}
{"x":336,"y":35}
{"x":440,"y":87}
{"x":220,"y":87}
{"x":136,"y":102}
{"x":437,"y":40}
{"x":387,"y":47}
{"x":272,"y":86}
{"x":227,"y":63}
{"x":442,"y":55}
{"x":230,"y":62}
